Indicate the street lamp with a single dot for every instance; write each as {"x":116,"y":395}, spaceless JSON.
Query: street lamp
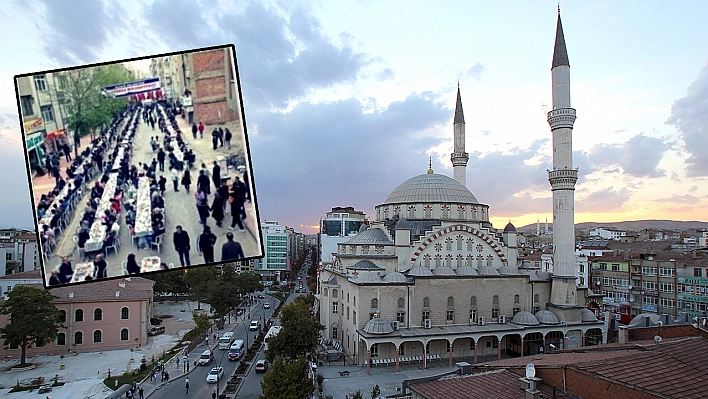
{"x":218,"y":376}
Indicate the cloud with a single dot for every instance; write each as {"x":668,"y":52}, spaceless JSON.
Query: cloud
{"x":605,"y":200}
{"x":385,"y":74}
{"x":680,"y":199}
{"x":475,"y":72}
{"x":690,"y":116}
{"x":77,"y":33}
{"x":638,"y":157}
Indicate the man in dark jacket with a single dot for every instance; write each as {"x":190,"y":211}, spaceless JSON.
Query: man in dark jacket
{"x":181,"y":241}
{"x":195,"y":129}
{"x":238,"y":211}
{"x":231,"y":250}
{"x":161,"y":159}
{"x":205,"y":244}
{"x":100,"y":267}
{"x":216,"y":175}
{"x":203,"y":182}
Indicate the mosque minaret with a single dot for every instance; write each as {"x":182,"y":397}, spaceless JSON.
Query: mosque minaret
{"x":459,"y":157}
{"x":562,"y":178}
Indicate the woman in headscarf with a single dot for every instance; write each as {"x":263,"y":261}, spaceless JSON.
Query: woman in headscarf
{"x":132,"y":266}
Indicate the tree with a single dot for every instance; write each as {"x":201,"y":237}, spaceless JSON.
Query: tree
{"x":198,"y":280}
{"x":33,"y":318}
{"x":202,"y":320}
{"x":299,"y":333}
{"x":222,"y":296}
{"x":376,"y":392}
{"x":171,"y":282}
{"x":287,"y":380}
{"x":247,"y":283}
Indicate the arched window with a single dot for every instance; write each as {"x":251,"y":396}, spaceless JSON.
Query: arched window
{"x":62,"y":315}
{"x":445,"y":211}
{"x":79,"y":315}
{"x":489,"y":260}
{"x":448,"y":260}
{"x":78,"y":338}
{"x":426,"y":260}
{"x":495,"y":300}
{"x":411,"y":211}
{"x":124,"y":313}
{"x":459,"y":242}
{"x":325,"y":291}
{"x":401,"y":303}
{"x":61,"y":339}
{"x":470,"y":244}
{"x":97,"y":336}
{"x":459,"y":260}
{"x":374,"y":303}
{"x":426,"y":302}
{"x":397,"y":210}
{"x":438,"y":260}
{"x":124,"y":334}
{"x":448,"y":244}
{"x":469,"y":260}
{"x":335,"y":293}
{"x":535,"y":298}
{"x":450,"y":302}
{"x":516,"y":299}
{"x":480,"y":261}
{"x":461,"y":211}
{"x":473,"y":302}
{"x":97,"y":314}
{"x":428,"y":209}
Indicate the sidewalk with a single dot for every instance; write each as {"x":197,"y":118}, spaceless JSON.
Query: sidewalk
{"x":43,"y":184}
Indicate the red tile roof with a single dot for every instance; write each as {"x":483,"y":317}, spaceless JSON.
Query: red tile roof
{"x":497,"y":384}
{"x":136,"y":289}
{"x":36,"y":273}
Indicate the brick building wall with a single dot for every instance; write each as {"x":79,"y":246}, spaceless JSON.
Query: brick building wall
{"x":214,"y":93}
{"x":677,"y":331}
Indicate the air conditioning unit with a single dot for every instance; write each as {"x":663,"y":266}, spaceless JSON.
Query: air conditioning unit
{"x":428,"y":323}
{"x":502,"y":319}
{"x":395,"y":325}
{"x":480,"y":321}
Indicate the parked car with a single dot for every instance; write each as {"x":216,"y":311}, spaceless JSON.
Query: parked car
{"x":155,"y":321}
{"x":261,"y":366}
{"x":215,"y":375}
{"x":156,"y":330}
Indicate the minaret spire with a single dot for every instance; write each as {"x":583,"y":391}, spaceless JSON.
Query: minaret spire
{"x":459,"y":157}
{"x":562,"y":178}
{"x":430,"y":166}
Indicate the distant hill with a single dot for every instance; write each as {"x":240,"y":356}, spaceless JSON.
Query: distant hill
{"x":633,"y":225}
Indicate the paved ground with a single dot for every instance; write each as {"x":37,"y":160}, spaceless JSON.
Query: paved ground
{"x":180,"y":208}
{"x":84,"y":373}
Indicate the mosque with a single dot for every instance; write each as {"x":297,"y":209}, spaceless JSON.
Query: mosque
{"x":432,"y":280}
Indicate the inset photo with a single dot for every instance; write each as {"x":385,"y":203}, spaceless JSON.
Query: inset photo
{"x":139,"y":166}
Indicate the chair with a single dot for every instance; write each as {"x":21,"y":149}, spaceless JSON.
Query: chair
{"x":171,"y":266}
{"x":113,"y":246}
{"x":157,"y":242}
{"x":124,"y":265}
{"x":79,"y":250}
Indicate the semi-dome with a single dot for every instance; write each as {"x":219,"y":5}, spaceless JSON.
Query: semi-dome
{"x":487,"y":271}
{"x":645,"y":320}
{"x":420,"y":271}
{"x":365,"y":265}
{"x":444,"y":271}
{"x":507,"y":270}
{"x":403,"y":224}
{"x":510,"y":228}
{"x":395,"y":277}
{"x":370,"y":237}
{"x":378,"y":326}
{"x":547,"y":317}
{"x":587,"y":316}
{"x":525,"y":319}
{"x":431,"y":188}
{"x":368,"y":277}
{"x":466,"y":271}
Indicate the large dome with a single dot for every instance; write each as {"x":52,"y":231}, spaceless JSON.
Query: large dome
{"x":431,"y":188}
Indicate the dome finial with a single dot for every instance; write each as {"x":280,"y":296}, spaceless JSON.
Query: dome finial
{"x":430,"y":166}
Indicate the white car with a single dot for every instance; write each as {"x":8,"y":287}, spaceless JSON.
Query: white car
{"x":266,"y":305}
{"x":215,"y":375}
{"x":254,"y":325}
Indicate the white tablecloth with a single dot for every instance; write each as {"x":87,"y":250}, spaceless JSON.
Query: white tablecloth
{"x":150,"y":264}
{"x":98,"y":231}
{"x":47,"y":219}
{"x":119,"y":158}
{"x":143,"y":219}
{"x":82,"y":270}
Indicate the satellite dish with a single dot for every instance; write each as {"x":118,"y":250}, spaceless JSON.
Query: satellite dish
{"x":530,"y":371}
{"x":657,"y":339}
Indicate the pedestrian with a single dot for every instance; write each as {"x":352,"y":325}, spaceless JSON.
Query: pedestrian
{"x":186,"y":384}
{"x":186,"y":179}
{"x":161,"y":159}
{"x":201,"y":130}
{"x":217,"y":208}
{"x":202,"y":206}
{"x":175,"y":179}
{"x":177,"y":357}
{"x":162,"y":376}
{"x":227,"y":138}
{"x":167,"y":376}
{"x":221,"y":137}
{"x":216,"y":175}
{"x":206,"y":243}
{"x":99,"y":267}
{"x":238,"y":197}
{"x":187,"y":367}
{"x":213,"y":395}
{"x":181,"y":241}
{"x":231,"y":249}
{"x":195,"y":129}
{"x":245,"y":183}
{"x":141,"y":393}
{"x":215,"y":139}
{"x":67,"y":151}
{"x":206,"y":340}
{"x":162,"y":183}
{"x":203,"y":182}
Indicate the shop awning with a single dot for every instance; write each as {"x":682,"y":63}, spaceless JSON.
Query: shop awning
{"x":32,"y":124}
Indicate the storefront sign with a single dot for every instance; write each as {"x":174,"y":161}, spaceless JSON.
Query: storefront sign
{"x":33,"y":124}
{"x":684,"y":297}
{"x":622,"y":289}
{"x":650,"y":293}
{"x":648,"y":308}
{"x":34,"y":141}
{"x":693,"y":280}
{"x":608,"y":301}
{"x":132,"y":88}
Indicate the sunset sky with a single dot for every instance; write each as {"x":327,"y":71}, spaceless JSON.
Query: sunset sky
{"x":346,"y":100}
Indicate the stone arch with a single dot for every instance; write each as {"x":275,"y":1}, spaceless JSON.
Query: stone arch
{"x":458,"y":228}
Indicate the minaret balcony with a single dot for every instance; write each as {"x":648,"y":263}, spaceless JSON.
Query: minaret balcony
{"x":561,"y":118}
{"x":459,"y":158}
{"x":563,"y":179}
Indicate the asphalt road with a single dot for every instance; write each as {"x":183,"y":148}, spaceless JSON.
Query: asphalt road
{"x":198,"y":387}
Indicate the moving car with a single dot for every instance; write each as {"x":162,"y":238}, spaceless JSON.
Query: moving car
{"x":266,"y":305}
{"x":261,"y":296}
{"x":261,"y":366}
{"x":236,"y":350}
{"x":206,"y":357}
{"x":254,"y":325}
{"x":215,"y":375}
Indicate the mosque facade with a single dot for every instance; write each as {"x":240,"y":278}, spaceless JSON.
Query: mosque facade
{"x":431,"y":279}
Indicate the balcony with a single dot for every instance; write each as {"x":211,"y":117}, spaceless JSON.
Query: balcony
{"x":561,"y":118}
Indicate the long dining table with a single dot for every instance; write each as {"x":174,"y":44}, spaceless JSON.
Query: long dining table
{"x":97,"y":234}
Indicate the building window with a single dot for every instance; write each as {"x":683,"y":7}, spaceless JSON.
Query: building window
{"x":79,"y":315}
{"x":516,"y":299}
{"x":40,"y":82}
{"x":495,"y":314}
{"x":516,"y":310}
{"x":459,"y":241}
{"x":666,"y":272}
{"x":47,"y":113}
{"x":438,"y":260}
{"x":535,"y":298}
{"x":445,"y":210}
{"x":480,"y":261}
{"x":649,"y":270}
{"x":473,"y":301}
{"x":397,"y":210}
{"x":428,"y":209}
{"x":124,"y":334}
{"x":78,"y":338}
{"x":450,"y":318}
{"x":426,"y":260}
{"x":325,"y":291}
{"x":374,"y":303}
{"x":426,"y":302}
{"x":352,"y":249}
{"x":495,"y":300}
{"x":470,"y":244}
{"x":379,"y":249}
{"x":97,"y":314}
{"x":97,"y":337}
{"x":347,"y":297}
{"x":347,"y":312}
{"x":354,"y":318}
{"x":386,"y":213}
{"x":473,"y":316}
{"x":401,"y":316}
{"x":666,"y":287}
{"x":615,"y":267}
{"x":365,"y":249}
{"x":448,"y":260}
{"x":61,"y":339}
{"x":489,"y":260}
{"x":124,"y":313}
{"x":401,"y":303}
{"x":354,"y":300}
{"x":375,"y":350}
{"x":698,"y":272}
{"x":448,"y":244}
{"x":459,"y":260}
{"x":26,"y":105}
{"x":335,"y":332}
{"x":461,"y":211}
{"x":450,"y":302}
{"x":62,"y":315}
{"x":438,"y":246}
{"x":411,"y":211}
{"x":335,"y":306}
{"x":469,"y":261}
{"x":335,"y":293}
{"x":667,"y":302}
